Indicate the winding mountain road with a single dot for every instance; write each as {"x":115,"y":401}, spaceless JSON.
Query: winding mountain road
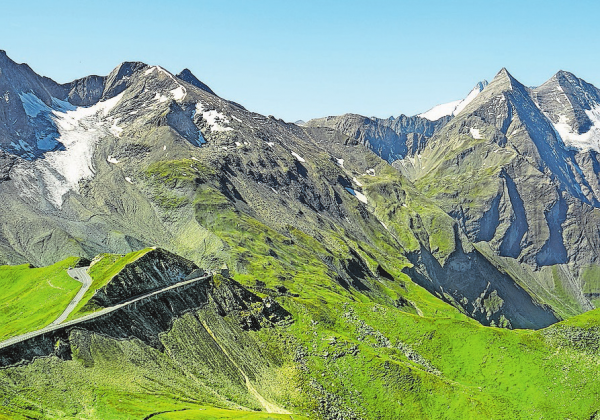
{"x":82,"y":276}
{"x":55,"y":326}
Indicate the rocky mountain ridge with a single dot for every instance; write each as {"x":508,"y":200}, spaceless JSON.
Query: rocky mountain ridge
{"x":517,"y":168}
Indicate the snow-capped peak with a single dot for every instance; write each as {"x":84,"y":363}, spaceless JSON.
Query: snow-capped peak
{"x":455,"y":107}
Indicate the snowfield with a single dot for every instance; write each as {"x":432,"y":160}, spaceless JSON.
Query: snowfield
{"x":61,"y":171}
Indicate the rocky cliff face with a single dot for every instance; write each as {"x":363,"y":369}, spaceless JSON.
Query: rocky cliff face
{"x":154,"y":270}
{"x":517,"y":168}
{"x":146,"y":319}
{"x":503,"y":170}
{"x":392,"y":138}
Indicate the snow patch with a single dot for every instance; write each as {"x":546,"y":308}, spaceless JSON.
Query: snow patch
{"x":270,"y":143}
{"x":111,"y":159}
{"x":61,"y":171}
{"x":440,"y":111}
{"x":179,"y":93}
{"x":585,"y":141}
{"x":340,"y":162}
{"x":115,"y":129}
{"x":160,"y":98}
{"x":298,"y":157}
{"x":371,"y":172}
{"x":128,"y":180}
{"x":213,"y":117}
{"x":360,"y":196}
{"x":475,"y":133}
{"x":453,"y":108}
{"x":357,"y":182}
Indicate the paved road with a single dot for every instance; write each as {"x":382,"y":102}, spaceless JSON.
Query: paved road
{"x":82,"y":276}
{"x":54,"y":327}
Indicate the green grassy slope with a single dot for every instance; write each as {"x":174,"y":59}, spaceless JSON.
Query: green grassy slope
{"x":103,"y":269}
{"x":211,"y":413}
{"x":32,"y":298}
{"x":339,"y":358}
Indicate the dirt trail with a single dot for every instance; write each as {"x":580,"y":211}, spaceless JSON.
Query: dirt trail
{"x":268,"y":406}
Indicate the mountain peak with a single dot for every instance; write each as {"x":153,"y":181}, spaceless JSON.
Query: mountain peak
{"x":504,"y":74}
{"x":187,"y":76}
{"x":127,"y":68}
{"x":565,"y":77}
{"x":117,"y":80}
{"x":564,"y":73}
{"x":505,"y":81}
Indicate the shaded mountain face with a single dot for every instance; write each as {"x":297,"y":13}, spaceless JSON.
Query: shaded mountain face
{"x":156,"y":161}
{"x":392,"y":138}
{"x":187,"y":76}
{"x":512,"y":171}
{"x":397,"y":137}
{"x":518,"y":169}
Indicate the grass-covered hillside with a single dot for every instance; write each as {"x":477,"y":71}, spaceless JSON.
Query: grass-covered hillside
{"x":335,"y":355}
{"x":32,"y":298}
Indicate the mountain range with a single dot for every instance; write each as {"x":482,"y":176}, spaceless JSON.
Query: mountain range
{"x":409,"y":267}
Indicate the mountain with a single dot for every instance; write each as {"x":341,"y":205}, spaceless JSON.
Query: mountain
{"x":391,"y":138}
{"x":571,"y":104}
{"x":396,"y":137}
{"x":517,"y":168}
{"x":453,"y":108}
{"x":240,"y":265}
{"x":132,"y":174}
{"x":510,"y":170}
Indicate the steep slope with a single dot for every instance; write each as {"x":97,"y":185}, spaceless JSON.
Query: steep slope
{"x":208,"y":344}
{"x":503,"y":171}
{"x":391,"y":138}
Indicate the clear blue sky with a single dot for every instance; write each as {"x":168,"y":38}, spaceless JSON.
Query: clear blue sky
{"x":305,"y":59}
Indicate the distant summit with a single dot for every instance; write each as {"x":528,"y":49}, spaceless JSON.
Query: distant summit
{"x":451,"y":109}
{"x":187,"y":76}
